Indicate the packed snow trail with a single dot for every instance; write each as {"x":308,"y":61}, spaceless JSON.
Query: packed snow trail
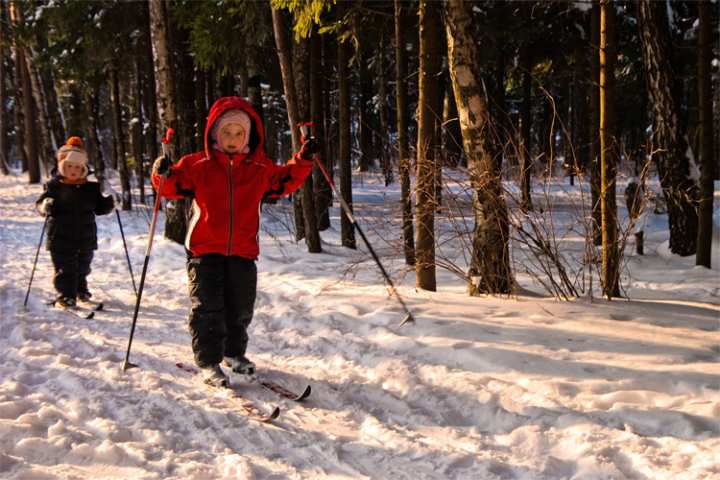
{"x":522,"y":387}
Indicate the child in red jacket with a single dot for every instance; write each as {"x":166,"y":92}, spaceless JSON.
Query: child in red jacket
{"x":227,"y":181}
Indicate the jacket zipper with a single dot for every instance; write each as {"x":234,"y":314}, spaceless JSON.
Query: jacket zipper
{"x":230,"y":196}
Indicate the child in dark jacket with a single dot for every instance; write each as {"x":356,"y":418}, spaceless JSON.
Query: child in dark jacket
{"x":226,"y":181}
{"x":71,"y":202}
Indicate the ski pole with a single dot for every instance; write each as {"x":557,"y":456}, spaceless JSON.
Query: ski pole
{"x":348,"y":212}
{"x":37,"y":253}
{"x":127,"y":255}
{"x":151,"y":234}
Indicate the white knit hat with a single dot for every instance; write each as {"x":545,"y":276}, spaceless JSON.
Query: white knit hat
{"x":232,"y":116}
{"x":73,"y":156}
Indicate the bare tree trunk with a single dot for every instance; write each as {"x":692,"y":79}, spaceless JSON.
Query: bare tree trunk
{"x":149,"y":97}
{"x":120,"y":133}
{"x":402,"y":128}
{"x":55,"y":119}
{"x":347,"y":232}
{"x":93,"y":145}
{"x":4,"y":117}
{"x":526,"y":163}
{"x":136,"y":126}
{"x":382,"y":112}
{"x":608,"y":152}
{"x":23,"y":82}
{"x":705,"y":224}
{"x":283,"y":52}
{"x":670,"y":140}
{"x":430,"y":65}
{"x":302,"y":92}
{"x":46,"y":152}
{"x":594,"y":122}
{"x":320,"y":185}
{"x":175,"y":219}
{"x":490,"y":262}
{"x":364,"y":94}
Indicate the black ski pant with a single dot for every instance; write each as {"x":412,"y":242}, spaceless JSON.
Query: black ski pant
{"x":71,"y":270}
{"x":222,"y":296}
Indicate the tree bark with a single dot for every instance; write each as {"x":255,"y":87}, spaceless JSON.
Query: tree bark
{"x":672,"y":156}
{"x":54,"y":109}
{"x":594,"y":123}
{"x":404,"y":161}
{"x":347,"y":232}
{"x":608,"y":152}
{"x":382,"y":112}
{"x":526,"y":162}
{"x":93,"y":145}
{"x":4,"y":117}
{"x":302,"y":94}
{"x":136,"y":126}
{"x":490,"y":265}
{"x":705,"y":99}
{"x":364,"y":95}
{"x":320,"y":185}
{"x":120,"y":139}
{"x":430,"y":65}
{"x":46,"y":152}
{"x":175,"y":218}
{"x":28,"y":114}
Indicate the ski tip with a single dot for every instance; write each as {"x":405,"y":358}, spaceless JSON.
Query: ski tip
{"x":306,"y":393}
{"x":89,"y":315}
{"x":274,"y":414}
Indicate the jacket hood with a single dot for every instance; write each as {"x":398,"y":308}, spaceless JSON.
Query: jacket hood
{"x":222,"y":105}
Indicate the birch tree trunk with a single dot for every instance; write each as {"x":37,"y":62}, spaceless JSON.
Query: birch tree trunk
{"x":490,"y":264}
{"x":672,"y":155}
{"x":402,"y":129}
{"x":608,"y":152}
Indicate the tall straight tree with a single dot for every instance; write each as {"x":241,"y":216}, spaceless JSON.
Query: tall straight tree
{"x":526,"y":160}
{"x":305,"y":221}
{"x":4,"y":117}
{"x":490,"y":261}
{"x":401,"y":99}
{"x":593,"y":122}
{"x":608,"y":151}
{"x":347,"y":232}
{"x":175,"y":223}
{"x":705,"y":224}
{"x":301,"y":66}
{"x":672,"y":154}
{"x":321,"y":187}
{"x":116,"y":109}
{"x":429,"y":91}
{"x":24,"y":88}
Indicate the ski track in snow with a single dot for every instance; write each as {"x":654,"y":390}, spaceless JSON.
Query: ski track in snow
{"x":497,"y":388}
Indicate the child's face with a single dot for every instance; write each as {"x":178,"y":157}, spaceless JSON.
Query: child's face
{"x":232,"y":138}
{"x":73,"y":171}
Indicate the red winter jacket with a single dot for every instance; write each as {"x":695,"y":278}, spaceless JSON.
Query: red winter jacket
{"x":227,"y":188}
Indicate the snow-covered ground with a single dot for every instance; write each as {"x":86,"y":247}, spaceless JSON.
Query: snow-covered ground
{"x":524,"y":387}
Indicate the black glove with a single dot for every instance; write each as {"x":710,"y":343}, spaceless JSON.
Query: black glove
{"x":309,"y":148}
{"x":161,"y":166}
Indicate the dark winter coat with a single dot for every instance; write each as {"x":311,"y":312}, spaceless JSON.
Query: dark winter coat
{"x":71,"y":223}
{"x":227,"y":188}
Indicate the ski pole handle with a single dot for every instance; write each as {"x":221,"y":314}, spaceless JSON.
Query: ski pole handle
{"x":166,"y":140}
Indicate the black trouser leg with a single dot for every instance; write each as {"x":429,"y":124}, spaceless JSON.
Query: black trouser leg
{"x":84,"y":260}
{"x":206,"y":275}
{"x":66,"y":272}
{"x":240,"y":290}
